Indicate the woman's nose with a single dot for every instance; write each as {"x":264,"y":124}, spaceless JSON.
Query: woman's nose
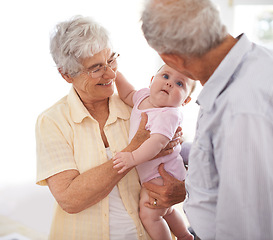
{"x":109,"y":73}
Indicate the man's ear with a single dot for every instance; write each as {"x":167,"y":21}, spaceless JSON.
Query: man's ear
{"x":173,"y":60}
{"x":66,"y":77}
{"x":187,"y":100}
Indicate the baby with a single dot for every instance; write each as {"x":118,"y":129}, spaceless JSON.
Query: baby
{"x":169,"y":90}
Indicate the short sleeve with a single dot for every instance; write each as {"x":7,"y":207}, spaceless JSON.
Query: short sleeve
{"x":165,"y":122}
{"x":140,"y":94}
{"x":54,"y":152}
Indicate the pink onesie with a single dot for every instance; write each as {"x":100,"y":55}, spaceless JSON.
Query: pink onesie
{"x":160,"y":120}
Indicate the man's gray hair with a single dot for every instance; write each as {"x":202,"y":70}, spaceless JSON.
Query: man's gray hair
{"x":75,"y":39}
{"x":185,"y":27}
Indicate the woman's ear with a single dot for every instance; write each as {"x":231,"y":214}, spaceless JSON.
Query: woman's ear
{"x":65,"y":76}
{"x":187,"y":100}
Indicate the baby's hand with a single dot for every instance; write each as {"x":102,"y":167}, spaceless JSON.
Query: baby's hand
{"x":123,"y":160}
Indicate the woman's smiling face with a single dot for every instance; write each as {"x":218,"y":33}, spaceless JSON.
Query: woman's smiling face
{"x":95,"y":89}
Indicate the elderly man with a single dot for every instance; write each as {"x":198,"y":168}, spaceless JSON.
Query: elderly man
{"x":229,"y":183}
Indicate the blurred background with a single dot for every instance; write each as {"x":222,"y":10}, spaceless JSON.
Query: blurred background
{"x":30,"y":82}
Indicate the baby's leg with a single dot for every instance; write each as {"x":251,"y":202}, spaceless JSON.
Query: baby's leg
{"x":177,"y":225}
{"x":152,"y":219}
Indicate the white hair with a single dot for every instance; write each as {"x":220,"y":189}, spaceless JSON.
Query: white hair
{"x":185,"y":27}
{"x":75,"y":39}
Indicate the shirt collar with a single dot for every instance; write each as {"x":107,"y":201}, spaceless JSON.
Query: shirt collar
{"x":118,"y":109}
{"x":223,"y":74}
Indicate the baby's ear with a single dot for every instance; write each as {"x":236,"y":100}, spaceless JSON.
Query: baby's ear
{"x":187,"y":100}
{"x":151,"y":81}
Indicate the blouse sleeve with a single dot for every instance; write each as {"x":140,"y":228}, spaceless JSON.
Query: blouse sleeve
{"x":54,"y":152}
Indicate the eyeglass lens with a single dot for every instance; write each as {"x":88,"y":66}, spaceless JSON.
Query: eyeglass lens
{"x":112,"y":63}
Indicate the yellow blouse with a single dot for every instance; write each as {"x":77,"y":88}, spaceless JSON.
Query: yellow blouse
{"x":68,"y":137}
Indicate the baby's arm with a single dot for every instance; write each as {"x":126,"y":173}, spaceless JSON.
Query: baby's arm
{"x":147,"y":151}
{"x":125,"y":89}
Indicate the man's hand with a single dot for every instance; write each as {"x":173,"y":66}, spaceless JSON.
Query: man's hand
{"x":172,"y":192}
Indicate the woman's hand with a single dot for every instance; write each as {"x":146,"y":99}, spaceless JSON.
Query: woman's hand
{"x":172,"y":192}
{"x":141,"y":135}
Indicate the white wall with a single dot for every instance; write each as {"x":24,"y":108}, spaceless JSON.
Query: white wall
{"x":30,"y":82}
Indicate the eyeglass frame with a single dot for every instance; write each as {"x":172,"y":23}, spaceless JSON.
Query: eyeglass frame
{"x":113,"y":59}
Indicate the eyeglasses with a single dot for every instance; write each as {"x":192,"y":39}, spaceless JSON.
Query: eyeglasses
{"x":98,"y":71}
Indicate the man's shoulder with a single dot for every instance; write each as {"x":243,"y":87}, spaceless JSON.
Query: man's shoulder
{"x":249,"y":94}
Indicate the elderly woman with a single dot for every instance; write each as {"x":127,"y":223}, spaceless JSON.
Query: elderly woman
{"x":79,"y":134}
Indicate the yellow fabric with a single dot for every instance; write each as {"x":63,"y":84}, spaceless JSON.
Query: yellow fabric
{"x":69,"y":138}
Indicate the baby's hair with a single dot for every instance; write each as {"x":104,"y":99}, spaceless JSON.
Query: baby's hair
{"x":161,"y":67}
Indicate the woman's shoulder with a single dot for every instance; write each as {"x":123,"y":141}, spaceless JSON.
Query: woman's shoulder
{"x":57,"y":109}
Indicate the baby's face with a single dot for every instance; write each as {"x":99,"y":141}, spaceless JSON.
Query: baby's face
{"x":169,"y":88}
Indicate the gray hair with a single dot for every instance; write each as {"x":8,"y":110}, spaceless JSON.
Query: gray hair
{"x":75,"y":39}
{"x":185,"y":27}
